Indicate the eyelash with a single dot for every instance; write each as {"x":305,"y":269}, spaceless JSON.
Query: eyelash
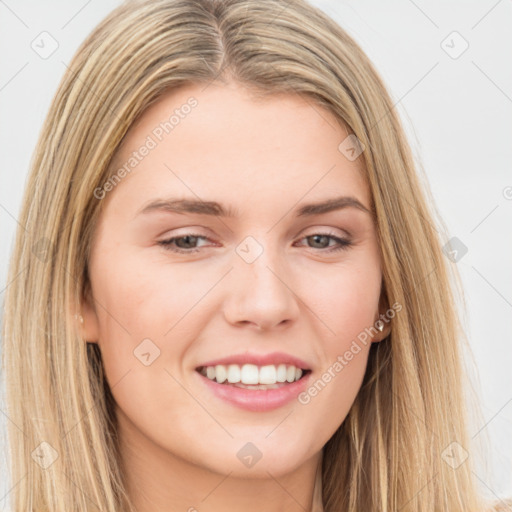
{"x":168,"y":244}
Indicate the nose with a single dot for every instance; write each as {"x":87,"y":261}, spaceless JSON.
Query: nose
{"x":260,"y":294}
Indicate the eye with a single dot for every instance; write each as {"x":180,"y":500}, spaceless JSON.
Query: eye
{"x":182,"y":243}
{"x":323,"y":239}
{"x":187,"y":244}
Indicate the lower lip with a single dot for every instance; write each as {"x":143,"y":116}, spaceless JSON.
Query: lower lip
{"x":257,"y":400}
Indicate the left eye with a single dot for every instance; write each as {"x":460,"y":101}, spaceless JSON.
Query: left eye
{"x":175,"y":244}
{"x":319,"y":238}
{"x":186,"y":243}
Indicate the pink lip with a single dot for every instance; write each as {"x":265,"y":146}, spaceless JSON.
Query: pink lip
{"x":257,"y":400}
{"x":259,"y":360}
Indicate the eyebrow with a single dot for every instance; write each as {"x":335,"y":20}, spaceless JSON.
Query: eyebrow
{"x":216,"y":209}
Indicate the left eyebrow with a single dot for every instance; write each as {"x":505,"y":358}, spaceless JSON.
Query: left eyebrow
{"x":216,"y":209}
{"x":188,"y":206}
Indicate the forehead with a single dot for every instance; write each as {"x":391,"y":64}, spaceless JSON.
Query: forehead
{"x":224,"y":142}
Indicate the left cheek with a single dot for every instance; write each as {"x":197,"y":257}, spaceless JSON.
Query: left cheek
{"x":351,"y":302}
{"x":145,"y":301}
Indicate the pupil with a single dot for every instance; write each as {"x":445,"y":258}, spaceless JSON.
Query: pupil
{"x":316,"y":237}
{"x":187,"y":238}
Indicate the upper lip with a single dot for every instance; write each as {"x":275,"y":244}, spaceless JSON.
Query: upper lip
{"x":275,"y":358}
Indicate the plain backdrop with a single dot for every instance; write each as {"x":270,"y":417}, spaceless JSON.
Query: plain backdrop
{"x":447,"y":67}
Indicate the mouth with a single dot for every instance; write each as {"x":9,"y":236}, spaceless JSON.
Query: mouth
{"x":251,"y":376}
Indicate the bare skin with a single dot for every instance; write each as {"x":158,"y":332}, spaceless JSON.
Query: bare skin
{"x":265,"y":159}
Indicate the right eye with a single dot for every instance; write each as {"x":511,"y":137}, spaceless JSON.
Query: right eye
{"x":182,"y":243}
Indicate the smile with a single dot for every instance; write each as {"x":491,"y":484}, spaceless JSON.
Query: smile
{"x":258,"y":396}
{"x":253,"y":376}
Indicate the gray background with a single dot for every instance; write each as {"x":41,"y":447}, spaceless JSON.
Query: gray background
{"x":456,"y":110}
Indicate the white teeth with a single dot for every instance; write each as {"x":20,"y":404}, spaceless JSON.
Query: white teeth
{"x":268,"y":374}
{"x":281,"y":373}
{"x":250,"y":374}
{"x":233,"y":373}
{"x":220,"y":373}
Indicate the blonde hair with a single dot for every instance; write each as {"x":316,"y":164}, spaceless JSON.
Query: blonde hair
{"x":387,"y":454}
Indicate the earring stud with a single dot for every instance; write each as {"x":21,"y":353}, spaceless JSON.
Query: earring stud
{"x":80,"y":318}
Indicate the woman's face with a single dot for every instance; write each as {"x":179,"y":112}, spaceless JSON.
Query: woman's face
{"x":209,"y":250}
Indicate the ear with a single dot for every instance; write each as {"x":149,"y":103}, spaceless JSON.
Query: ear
{"x":90,"y":326}
{"x":385,"y":322}
{"x":382,"y":319}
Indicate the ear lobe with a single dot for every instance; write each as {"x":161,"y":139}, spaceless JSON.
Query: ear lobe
{"x":386,"y":330}
{"x":90,"y":326}
{"x":382,"y":321}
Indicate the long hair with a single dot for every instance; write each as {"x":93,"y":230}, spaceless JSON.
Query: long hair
{"x":388,"y":453}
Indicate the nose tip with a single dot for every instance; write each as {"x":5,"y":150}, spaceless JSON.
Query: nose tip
{"x":260,"y":296}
